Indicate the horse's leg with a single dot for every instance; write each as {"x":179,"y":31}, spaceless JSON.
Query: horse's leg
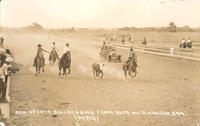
{"x":101,"y":74}
{"x":60,"y":68}
{"x":64,"y":71}
{"x":132,"y":76}
{"x":39,"y":70}
{"x":124,"y":68}
{"x":135,"y":73}
{"x":130,"y":73}
{"x":69,"y":70}
{"x":36,"y":70}
{"x":42,"y":68}
{"x":125,"y":74}
{"x":94,"y":73}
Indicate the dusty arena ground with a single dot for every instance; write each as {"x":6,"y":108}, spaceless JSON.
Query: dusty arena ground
{"x":162,"y":84}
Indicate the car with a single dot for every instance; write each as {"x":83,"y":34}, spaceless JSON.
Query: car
{"x":113,"y":56}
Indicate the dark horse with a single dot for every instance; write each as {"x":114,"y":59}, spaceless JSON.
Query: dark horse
{"x":65,"y":63}
{"x":39,"y":63}
{"x":131,"y":68}
{"x":53,"y":56}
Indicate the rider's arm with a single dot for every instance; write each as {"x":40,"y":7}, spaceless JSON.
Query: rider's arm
{"x":57,"y":50}
{"x":45,"y":50}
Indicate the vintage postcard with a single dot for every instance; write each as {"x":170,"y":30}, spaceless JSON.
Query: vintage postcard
{"x":99,"y":63}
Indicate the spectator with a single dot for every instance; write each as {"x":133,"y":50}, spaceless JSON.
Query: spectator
{"x":189,"y":43}
{"x":4,"y":78}
{"x":144,"y":41}
{"x":123,"y":40}
{"x":1,"y":41}
{"x":183,"y":43}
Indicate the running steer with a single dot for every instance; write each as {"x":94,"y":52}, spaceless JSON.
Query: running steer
{"x":97,"y":69}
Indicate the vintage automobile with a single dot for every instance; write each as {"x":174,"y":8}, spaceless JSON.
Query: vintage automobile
{"x":110,"y":54}
{"x":113,"y":56}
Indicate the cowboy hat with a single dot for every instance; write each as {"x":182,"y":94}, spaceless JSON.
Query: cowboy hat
{"x":39,"y":45}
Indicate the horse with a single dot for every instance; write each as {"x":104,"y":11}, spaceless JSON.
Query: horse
{"x":39,"y":63}
{"x":131,"y":68}
{"x":97,"y":70}
{"x":104,"y":53}
{"x":53,"y":56}
{"x":65,"y":63}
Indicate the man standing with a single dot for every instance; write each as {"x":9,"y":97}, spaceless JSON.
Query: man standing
{"x":123,"y":40}
{"x":189,"y":43}
{"x":1,"y":41}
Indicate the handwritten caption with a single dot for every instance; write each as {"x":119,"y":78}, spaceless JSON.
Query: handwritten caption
{"x":82,"y":115}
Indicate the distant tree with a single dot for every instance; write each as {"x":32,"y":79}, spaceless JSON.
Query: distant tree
{"x":37,"y":26}
{"x":172,"y":27}
{"x":34,"y":27}
{"x":185,"y":28}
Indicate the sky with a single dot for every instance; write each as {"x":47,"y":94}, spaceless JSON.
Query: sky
{"x":100,"y":13}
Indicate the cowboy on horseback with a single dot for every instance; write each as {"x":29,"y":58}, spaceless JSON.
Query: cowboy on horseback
{"x":131,"y":57}
{"x":103,"y":47}
{"x":40,"y":54}
{"x":65,"y":61}
{"x":67,"y":48}
{"x":53,"y":51}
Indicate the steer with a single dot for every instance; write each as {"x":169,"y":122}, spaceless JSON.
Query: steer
{"x":97,"y":69}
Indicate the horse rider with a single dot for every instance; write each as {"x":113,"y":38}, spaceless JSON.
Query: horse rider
{"x":40,"y":51}
{"x":131,"y":57}
{"x":54,"y":50}
{"x":67,"y":48}
{"x":103,"y":47}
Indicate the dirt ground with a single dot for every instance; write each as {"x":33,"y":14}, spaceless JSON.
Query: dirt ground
{"x":162,"y":84}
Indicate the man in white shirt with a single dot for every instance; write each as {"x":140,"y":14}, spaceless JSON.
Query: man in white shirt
{"x":67,"y":48}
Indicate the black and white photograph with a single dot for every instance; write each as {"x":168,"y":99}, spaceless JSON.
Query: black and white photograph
{"x":99,"y":63}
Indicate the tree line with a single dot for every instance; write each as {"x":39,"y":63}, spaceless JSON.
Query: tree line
{"x":171,"y":28}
